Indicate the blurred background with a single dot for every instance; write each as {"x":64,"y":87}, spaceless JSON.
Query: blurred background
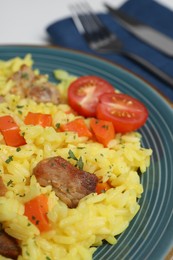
{"x":25,"y":21}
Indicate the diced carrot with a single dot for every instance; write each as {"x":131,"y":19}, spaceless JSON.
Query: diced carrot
{"x":36,"y":210}
{"x":38,"y":119}
{"x":103,"y":130}
{"x":78,"y":125}
{"x":11,"y":132}
{"x":102,"y":187}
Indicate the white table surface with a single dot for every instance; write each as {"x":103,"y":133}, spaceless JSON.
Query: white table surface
{"x":25,"y":21}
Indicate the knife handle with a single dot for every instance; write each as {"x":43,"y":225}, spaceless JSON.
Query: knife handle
{"x":150,"y":67}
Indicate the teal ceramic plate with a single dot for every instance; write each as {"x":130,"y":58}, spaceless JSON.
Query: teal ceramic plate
{"x":150,"y":234}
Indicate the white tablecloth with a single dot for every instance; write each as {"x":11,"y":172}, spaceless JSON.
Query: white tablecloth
{"x":25,"y":21}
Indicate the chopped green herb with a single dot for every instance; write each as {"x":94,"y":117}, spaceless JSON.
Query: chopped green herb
{"x":52,"y":164}
{"x":10,"y":158}
{"x":58,"y":125}
{"x":71,"y":155}
{"x":25,"y":76}
{"x":63,"y":165}
{"x":19,"y":106}
{"x":37,"y":222}
{"x":105,"y":126}
{"x":20,"y":112}
{"x":48,"y":258}
{"x":80,"y":163}
{"x":22,"y":195}
{"x":18,"y":149}
{"x":9,"y":182}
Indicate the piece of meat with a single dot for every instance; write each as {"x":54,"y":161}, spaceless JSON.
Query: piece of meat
{"x":3,"y":188}
{"x":69,"y":183}
{"x":25,"y":74}
{"x":44,"y":92}
{"x":23,"y":80}
{"x":27,"y":84}
{"x":9,"y":246}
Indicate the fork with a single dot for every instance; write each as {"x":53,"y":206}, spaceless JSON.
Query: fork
{"x":102,"y":40}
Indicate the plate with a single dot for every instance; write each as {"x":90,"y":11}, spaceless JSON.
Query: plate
{"x":150,"y":233}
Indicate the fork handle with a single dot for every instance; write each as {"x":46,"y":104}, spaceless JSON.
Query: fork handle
{"x":150,"y":67}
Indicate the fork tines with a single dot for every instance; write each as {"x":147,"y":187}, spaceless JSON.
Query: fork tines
{"x":90,"y":26}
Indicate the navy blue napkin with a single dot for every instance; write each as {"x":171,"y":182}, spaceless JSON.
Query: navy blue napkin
{"x":64,"y":33}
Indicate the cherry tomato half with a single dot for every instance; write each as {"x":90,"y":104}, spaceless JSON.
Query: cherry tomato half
{"x":126,"y":113}
{"x":84,"y":92}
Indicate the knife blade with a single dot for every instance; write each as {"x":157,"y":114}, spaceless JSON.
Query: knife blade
{"x":147,"y":34}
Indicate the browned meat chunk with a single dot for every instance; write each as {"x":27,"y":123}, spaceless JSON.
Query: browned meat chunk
{"x":8,"y":246}
{"x":23,"y":79}
{"x":25,"y":75}
{"x":46,"y":92}
{"x":69,"y":183}
{"x":29,"y":85}
{"x":3,"y":188}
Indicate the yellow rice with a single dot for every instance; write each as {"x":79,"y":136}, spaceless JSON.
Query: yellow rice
{"x":76,"y":232}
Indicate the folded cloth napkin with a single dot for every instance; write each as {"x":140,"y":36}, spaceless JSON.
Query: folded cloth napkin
{"x":64,"y":33}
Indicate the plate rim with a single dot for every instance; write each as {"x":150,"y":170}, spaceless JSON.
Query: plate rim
{"x":94,"y":56}
{"x":148,"y":85}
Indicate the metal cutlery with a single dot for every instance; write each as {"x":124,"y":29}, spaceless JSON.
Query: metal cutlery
{"x":101,"y":40}
{"x":149,"y":35}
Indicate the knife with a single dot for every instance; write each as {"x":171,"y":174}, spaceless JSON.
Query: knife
{"x":149,"y":35}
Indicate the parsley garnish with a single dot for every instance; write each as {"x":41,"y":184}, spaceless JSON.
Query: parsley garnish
{"x":19,"y":106}
{"x":37,"y":222}
{"x":10,"y":158}
{"x":9,"y":182}
{"x":71,"y":155}
{"x":58,"y":125}
{"x":25,"y":76}
{"x":79,"y":161}
{"x":105,"y":126}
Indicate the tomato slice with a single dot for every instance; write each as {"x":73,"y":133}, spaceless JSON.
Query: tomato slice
{"x":125,"y":112}
{"x":83,"y":94}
